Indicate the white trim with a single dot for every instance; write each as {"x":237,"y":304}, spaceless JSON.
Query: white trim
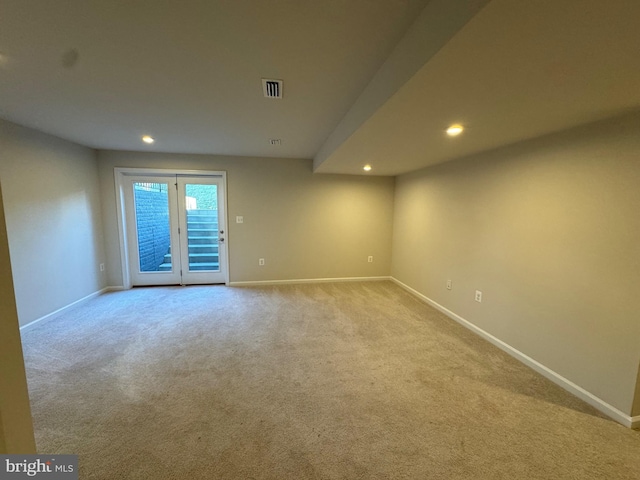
{"x":591,"y":399}
{"x":114,"y":288}
{"x":122,"y":232}
{"x":73,"y":304}
{"x":307,"y":280}
{"x":227,"y":245}
{"x":169,"y":172}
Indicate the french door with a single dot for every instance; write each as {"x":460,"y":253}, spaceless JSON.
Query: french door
{"x":175,"y":229}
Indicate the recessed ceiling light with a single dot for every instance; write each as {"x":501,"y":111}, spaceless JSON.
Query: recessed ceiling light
{"x":367,"y":168}
{"x":148,"y":139}
{"x":454,"y":130}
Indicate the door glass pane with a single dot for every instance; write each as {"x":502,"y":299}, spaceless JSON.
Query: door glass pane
{"x":202,"y":227}
{"x":152,"y":222}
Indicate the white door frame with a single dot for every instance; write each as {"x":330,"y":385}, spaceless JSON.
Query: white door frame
{"x":119,"y":175}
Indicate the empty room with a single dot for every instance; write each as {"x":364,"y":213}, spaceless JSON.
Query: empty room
{"x":320,"y":240}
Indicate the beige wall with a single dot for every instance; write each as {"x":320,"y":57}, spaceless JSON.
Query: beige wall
{"x":16,"y":429}
{"x":305,"y":226}
{"x":52,"y":208}
{"x":548,"y":230}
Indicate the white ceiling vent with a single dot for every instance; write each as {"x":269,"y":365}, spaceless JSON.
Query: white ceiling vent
{"x":272,"y":88}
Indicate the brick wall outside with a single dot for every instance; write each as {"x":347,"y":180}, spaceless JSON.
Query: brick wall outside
{"x":204,"y":196}
{"x":152,"y":218}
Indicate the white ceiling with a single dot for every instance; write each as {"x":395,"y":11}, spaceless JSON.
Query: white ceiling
{"x":517,"y":70}
{"x":189,"y":72}
{"x":365,"y":81}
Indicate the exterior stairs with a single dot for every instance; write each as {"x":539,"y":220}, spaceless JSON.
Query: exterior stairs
{"x":202,"y":240}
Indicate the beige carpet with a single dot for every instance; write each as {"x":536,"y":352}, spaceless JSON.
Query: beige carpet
{"x":327,"y":381}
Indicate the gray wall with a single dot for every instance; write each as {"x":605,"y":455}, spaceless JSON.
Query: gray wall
{"x":305,"y":226}
{"x":52,"y":208}
{"x":548,"y":230}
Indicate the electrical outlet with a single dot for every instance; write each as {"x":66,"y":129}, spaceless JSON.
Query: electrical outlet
{"x":239,"y":219}
{"x":102,"y":267}
{"x":448,"y":284}
{"x":370,"y":259}
{"x":478,"y":296}
{"x":261,"y":262}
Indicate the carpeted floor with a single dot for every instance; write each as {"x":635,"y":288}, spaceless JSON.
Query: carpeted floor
{"x":326,"y":381}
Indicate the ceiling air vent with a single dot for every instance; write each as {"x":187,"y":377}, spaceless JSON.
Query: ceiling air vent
{"x":272,"y":88}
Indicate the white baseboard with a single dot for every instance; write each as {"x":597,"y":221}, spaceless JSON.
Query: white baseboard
{"x":591,"y":399}
{"x":598,"y":403}
{"x":307,"y":280}
{"x":114,"y":288}
{"x":73,"y":304}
